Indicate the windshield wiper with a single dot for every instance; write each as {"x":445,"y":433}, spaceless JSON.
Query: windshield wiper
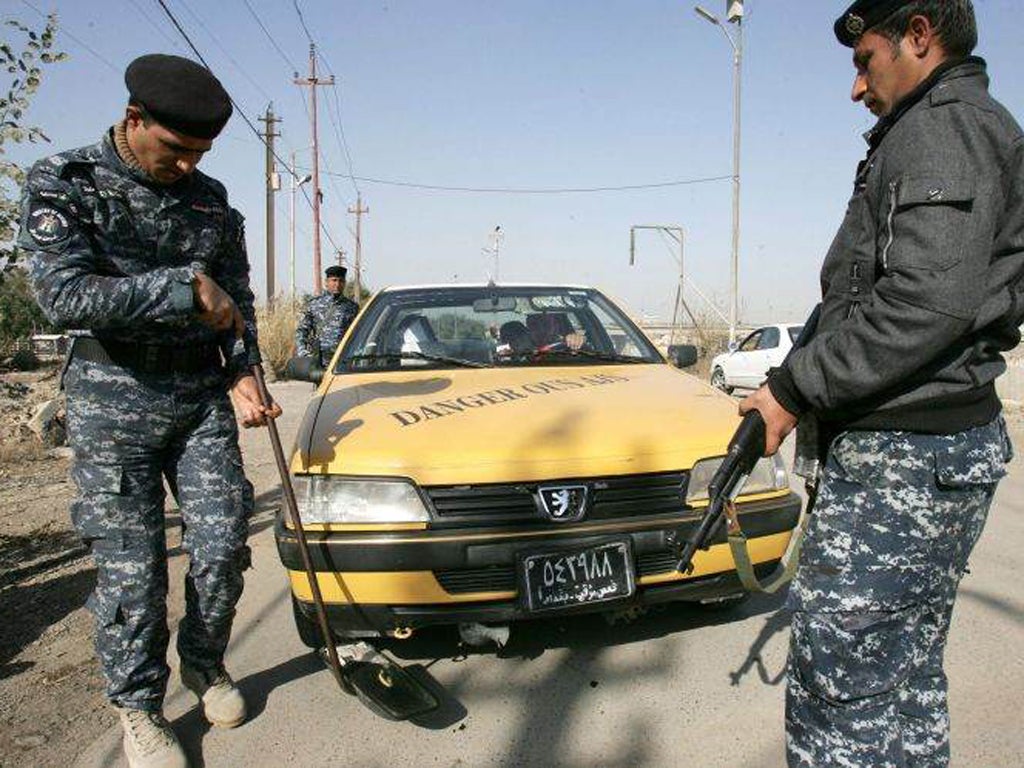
{"x":609,"y":356}
{"x":410,"y":355}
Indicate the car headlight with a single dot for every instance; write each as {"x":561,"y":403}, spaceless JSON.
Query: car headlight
{"x":327,"y":499}
{"x":769,"y":474}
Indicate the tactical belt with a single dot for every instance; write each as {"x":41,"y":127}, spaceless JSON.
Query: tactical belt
{"x":147,"y":358}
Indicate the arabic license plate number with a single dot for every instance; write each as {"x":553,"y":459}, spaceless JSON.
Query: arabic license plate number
{"x":592,"y":575}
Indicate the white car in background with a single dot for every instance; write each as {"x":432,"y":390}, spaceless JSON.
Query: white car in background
{"x":745,"y":366}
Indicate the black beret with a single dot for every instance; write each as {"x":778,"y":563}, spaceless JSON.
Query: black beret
{"x":336,"y":271}
{"x":179,"y":94}
{"x":862,"y":16}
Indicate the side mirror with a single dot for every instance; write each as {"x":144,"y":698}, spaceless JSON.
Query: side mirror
{"x":682,"y":355}
{"x":304,"y":369}
{"x":733,"y":346}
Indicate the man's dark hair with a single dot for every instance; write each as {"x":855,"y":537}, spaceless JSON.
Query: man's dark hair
{"x":953,"y":21}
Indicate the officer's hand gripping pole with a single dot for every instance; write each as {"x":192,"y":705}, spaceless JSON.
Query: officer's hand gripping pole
{"x":380,"y":684}
{"x":746,"y":448}
{"x":300,"y":533}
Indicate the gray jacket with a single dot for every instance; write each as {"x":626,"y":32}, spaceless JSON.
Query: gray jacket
{"x":922,"y":286}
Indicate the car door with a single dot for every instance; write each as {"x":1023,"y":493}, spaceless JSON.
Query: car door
{"x":777,"y":353}
{"x":763,"y":357}
{"x":738,"y":371}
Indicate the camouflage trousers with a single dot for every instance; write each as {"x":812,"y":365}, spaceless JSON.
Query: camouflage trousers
{"x":129,"y":432}
{"x":896,"y":518}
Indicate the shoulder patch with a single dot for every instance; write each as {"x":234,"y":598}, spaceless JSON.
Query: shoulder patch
{"x":212,"y":210}
{"x":47,"y":224}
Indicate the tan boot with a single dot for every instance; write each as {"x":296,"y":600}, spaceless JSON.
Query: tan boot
{"x":223,"y":705}
{"x":149,"y":741}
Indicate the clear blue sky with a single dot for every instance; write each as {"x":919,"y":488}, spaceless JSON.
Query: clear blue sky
{"x":525,"y":95}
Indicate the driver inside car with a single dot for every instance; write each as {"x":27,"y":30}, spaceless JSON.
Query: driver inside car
{"x":551,"y":331}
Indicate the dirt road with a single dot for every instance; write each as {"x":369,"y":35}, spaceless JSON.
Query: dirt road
{"x":683,"y":686}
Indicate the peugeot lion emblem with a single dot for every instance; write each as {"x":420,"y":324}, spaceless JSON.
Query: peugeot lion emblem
{"x":563,"y":503}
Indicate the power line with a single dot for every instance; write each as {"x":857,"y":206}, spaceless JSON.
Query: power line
{"x":235,"y":104}
{"x":159,"y":30}
{"x":270,"y":37}
{"x":64,"y":31}
{"x":327,"y":233}
{"x":223,"y":50}
{"x":330,"y":174}
{"x":339,"y":126}
{"x":339,"y":131}
{"x":302,"y":21}
{"x":540,"y":190}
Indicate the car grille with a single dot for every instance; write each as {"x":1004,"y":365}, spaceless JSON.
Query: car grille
{"x":502,"y":578}
{"x":611,"y":498}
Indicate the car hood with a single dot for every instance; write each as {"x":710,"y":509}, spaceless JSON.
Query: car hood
{"x":513,"y":424}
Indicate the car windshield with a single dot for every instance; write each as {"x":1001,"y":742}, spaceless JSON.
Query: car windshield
{"x":492,"y":326}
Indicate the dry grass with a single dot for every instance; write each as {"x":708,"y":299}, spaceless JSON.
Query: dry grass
{"x":276,"y":326}
{"x":17,"y":452}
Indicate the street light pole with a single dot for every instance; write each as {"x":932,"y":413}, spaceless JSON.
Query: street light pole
{"x":734,"y":8}
{"x":291,"y":223}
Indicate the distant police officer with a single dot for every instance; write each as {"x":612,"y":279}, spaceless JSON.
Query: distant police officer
{"x":922,"y":291}
{"x":325,"y":319}
{"x":140,"y":253}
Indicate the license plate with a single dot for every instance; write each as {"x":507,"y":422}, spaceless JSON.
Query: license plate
{"x":564,"y":578}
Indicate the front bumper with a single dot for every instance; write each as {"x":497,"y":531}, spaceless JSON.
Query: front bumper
{"x":382,"y":581}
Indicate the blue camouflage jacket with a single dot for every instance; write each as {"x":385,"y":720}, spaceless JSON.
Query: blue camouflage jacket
{"x":113,"y":255}
{"x":323,"y":324}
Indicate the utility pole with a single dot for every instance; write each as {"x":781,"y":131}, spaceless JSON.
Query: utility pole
{"x":313,"y":81}
{"x":357,"y":288}
{"x":341,"y":257}
{"x":676,"y":233}
{"x":494,"y":250}
{"x":296,"y":183}
{"x":273,"y":184}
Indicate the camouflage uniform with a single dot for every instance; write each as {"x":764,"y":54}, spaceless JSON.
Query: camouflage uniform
{"x":323,"y":325}
{"x":114,"y":255}
{"x":896,"y":518}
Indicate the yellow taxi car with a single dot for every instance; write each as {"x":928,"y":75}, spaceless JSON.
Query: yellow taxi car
{"x":501,"y":452}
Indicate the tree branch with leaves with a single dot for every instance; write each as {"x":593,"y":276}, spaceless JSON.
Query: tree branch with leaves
{"x":24,"y":62}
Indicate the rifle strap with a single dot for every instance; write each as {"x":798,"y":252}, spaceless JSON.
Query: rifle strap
{"x":784,"y":571}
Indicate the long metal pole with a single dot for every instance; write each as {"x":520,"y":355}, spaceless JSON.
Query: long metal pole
{"x":316,"y":176}
{"x":291,"y":231}
{"x":357,"y":291}
{"x":737,"y":72}
{"x":288,"y":492}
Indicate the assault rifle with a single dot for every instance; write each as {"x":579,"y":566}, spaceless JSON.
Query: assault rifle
{"x":746,"y":447}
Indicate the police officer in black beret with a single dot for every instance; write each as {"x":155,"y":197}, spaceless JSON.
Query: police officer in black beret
{"x":326,"y":318}
{"x":922,"y":293}
{"x":141,"y":257}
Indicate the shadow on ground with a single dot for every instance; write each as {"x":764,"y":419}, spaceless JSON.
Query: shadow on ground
{"x":31,"y":602}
